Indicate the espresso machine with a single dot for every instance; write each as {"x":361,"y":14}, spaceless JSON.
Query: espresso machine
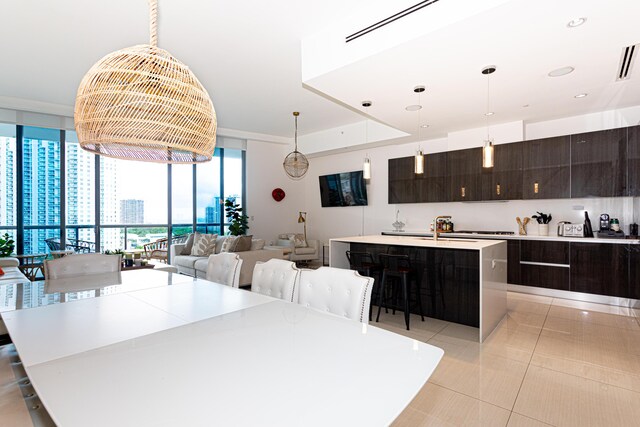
{"x":610,"y":228}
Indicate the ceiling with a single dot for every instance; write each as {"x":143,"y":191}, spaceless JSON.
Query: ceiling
{"x":247,"y":55}
{"x":524,"y":39}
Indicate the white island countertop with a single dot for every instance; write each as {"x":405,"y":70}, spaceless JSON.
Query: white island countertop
{"x":444,"y":242}
{"x":550,"y":238}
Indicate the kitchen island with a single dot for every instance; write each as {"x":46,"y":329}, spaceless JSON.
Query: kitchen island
{"x":462,"y":280}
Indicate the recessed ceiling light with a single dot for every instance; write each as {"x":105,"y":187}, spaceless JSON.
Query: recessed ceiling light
{"x":490,"y":113}
{"x":419,"y":89}
{"x":367,"y":104}
{"x":561,"y":71}
{"x":424,"y":126}
{"x":414,"y":107}
{"x":576,"y":22}
{"x":580,"y":95}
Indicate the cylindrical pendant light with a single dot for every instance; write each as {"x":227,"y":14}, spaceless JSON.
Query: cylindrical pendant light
{"x":487,"y":154}
{"x":487,"y":148}
{"x":419,"y":163}
{"x":418,"y":168}
{"x":366,"y":168}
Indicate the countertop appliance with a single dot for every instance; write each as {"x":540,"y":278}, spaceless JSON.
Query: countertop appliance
{"x":572,"y":230}
{"x":561,"y":227}
{"x":606,"y":231}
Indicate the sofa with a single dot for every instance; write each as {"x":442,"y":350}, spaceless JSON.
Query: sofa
{"x":196,"y":266}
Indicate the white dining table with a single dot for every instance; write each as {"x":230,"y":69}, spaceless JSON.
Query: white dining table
{"x":198,"y":353}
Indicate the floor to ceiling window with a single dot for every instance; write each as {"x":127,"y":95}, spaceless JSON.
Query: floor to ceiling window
{"x":134,"y":195}
{"x":7,"y":180}
{"x":80,"y":194}
{"x":57,"y":192}
{"x":40,"y":187}
{"x":209,"y":201}
{"x":182,"y":199}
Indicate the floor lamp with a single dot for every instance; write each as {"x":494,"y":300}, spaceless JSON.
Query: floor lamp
{"x":302,"y":218}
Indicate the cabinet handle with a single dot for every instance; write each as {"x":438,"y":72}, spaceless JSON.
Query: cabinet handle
{"x":498,"y":189}
{"x":463,"y":192}
{"x":535,"y":187}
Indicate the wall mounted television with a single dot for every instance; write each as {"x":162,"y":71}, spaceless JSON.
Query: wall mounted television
{"x":343,"y":189}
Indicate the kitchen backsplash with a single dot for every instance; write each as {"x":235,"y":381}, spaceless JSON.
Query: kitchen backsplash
{"x":501,"y":215}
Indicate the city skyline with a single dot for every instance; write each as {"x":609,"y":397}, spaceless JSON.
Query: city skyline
{"x":120,"y":181}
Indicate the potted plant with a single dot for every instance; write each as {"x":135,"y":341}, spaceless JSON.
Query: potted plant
{"x":543,"y":223}
{"x":7,"y":245}
{"x":239,"y":221}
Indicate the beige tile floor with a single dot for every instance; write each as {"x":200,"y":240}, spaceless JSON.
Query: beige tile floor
{"x":550,"y":362}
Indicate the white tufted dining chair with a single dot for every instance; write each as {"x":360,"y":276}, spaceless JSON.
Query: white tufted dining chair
{"x":276,"y":278}
{"x":334,"y":290}
{"x":81,"y":265}
{"x":224,"y":268}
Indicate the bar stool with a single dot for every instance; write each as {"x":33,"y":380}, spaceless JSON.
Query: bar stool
{"x":397,"y":270}
{"x":363,"y":263}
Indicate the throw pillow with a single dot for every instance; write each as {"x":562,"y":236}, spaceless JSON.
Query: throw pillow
{"x":205,"y":245}
{"x":243,"y":244}
{"x":219,"y":242}
{"x":299,"y":241}
{"x":257,"y":244}
{"x":188,"y":245}
{"x":229,"y":244}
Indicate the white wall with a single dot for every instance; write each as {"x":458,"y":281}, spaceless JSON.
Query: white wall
{"x":268,"y":218}
{"x":325,"y":223}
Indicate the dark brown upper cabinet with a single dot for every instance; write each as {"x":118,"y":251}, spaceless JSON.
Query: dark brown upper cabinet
{"x":435,"y":178}
{"x":599,"y":164}
{"x":465,"y":174}
{"x":407,"y":187}
{"x":633,"y":162}
{"x":402,"y":181}
{"x":546,"y":168}
{"x":504,"y":180}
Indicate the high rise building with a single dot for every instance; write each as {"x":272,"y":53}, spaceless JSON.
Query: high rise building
{"x":41,"y":189}
{"x":7,"y":181}
{"x":213,"y":212}
{"x":131,"y":211}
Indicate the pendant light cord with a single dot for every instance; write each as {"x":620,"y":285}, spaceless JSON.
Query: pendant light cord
{"x":487,"y":114}
{"x":153,"y":23}
{"x":296,"y":133}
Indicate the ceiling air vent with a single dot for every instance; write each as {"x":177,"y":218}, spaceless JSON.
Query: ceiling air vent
{"x":389,"y":20}
{"x":626,"y":62}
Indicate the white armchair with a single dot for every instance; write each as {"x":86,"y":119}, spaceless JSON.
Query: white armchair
{"x":308,"y":253}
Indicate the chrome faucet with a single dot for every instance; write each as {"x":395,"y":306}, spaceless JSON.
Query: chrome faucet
{"x":435,"y":225}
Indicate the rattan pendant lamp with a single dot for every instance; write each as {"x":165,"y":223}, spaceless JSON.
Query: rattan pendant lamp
{"x":141,"y":103}
{"x":296,"y":164}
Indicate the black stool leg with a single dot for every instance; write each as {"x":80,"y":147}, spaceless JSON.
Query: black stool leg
{"x":405,"y":292}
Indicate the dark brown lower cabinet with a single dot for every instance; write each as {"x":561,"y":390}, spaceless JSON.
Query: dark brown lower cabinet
{"x":600,"y":268}
{"x":544,"y":276}
{"x":634,"y":271}
{"x":449,"y":280}
{"x":513,"y":262}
